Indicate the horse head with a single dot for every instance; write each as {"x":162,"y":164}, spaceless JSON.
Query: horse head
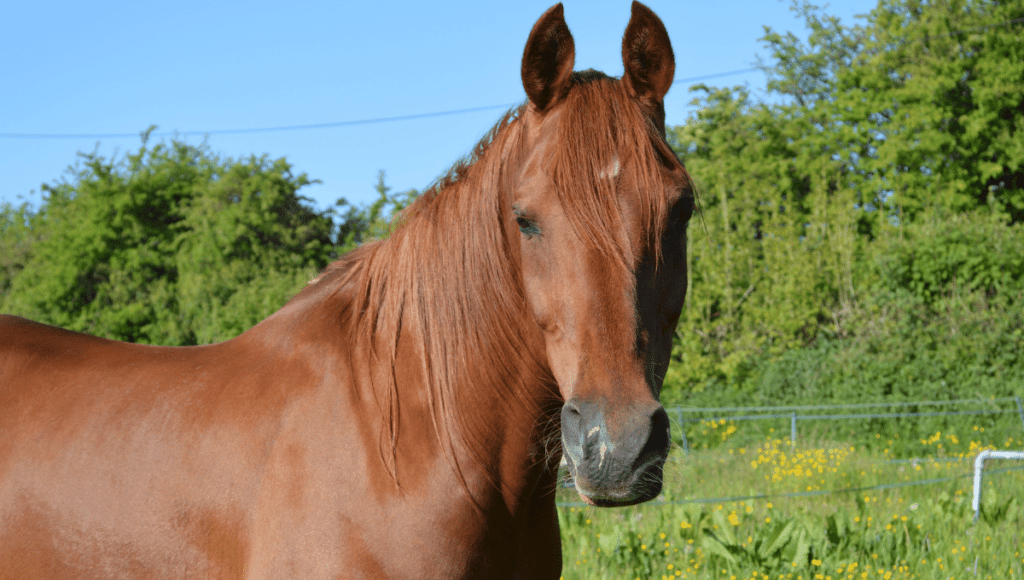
{"x":599,"y":217}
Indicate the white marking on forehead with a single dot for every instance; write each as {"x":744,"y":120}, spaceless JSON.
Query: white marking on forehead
{"x":603,"y":449}
{"x":612,"y":171}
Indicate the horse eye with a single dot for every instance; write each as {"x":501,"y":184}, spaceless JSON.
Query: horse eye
{"x":527,"y":227}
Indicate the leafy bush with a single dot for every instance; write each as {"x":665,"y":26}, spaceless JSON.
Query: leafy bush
{"x":169,"y":245}
{"x":937,"y":317}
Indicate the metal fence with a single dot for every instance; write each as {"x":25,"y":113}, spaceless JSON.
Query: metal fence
{"x":796,"y":413}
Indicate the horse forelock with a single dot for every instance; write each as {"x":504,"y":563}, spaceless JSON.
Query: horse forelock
{"x":607,"y":141}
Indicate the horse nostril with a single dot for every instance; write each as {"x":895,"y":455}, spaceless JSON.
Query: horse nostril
{"x":571,"y":417}
{"x":572,"y":439}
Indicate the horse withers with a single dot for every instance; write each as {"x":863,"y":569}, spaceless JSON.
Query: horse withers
{"x":404,"y":415}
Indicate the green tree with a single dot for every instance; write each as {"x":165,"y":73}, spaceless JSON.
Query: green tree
{"x":773,"y":265}
{"x":16,"y":241}
{"x":834,"y":190}
{"x":170,"y":245}
{"x":924,"y":100}
{"x":364,"y":224}
{"x":942,"y":84}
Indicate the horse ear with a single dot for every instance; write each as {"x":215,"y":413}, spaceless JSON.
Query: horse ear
{"x":647,"y":56}
{"x":548,"y":59}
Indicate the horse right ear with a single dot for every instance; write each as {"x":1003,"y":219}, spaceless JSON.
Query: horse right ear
{"x":647,"y":56}
{"x":548,"y":59}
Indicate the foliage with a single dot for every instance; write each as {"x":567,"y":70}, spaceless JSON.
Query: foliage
{"x":920,"y":104}
{"x":16,"y":239}
{"x":174,"y":245}
{"x":170,"y":245}
{"x":946,"y":255}
{"x":860,"y":234}
{"x":359,"y":225}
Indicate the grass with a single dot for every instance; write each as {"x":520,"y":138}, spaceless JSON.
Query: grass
{"x":859,"y":514}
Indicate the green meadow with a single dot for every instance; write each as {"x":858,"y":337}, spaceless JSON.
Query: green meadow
{"x":750,"y":507}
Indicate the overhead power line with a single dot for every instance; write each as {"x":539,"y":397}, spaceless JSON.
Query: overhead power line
{"x":330,"y":125}
{"x":250,"y":130}
{"x":400,"y":117}
{"x":716,"y":75}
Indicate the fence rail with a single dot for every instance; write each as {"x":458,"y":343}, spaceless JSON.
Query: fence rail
{"x":850,"y":405}
{"x":798,"y":412}
{"x":792,"y":412}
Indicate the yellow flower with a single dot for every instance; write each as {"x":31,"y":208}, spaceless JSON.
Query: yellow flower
{"x":816,"y":562}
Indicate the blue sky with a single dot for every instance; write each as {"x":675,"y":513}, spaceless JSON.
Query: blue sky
{"x":118,"y":67}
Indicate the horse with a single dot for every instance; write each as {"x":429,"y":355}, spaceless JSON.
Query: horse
{"x":403,"y":415}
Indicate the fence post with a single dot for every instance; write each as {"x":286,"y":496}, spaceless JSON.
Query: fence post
{"x":792,"y":431}
{"x":979,"y":465}
{"x":1020,"y":411}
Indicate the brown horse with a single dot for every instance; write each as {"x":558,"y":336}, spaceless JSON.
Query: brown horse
{"x":400,"y":417}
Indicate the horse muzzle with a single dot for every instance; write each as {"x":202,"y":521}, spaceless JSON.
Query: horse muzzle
{"x":615,"y":459}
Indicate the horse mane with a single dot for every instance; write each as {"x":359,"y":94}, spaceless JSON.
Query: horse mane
{"x":468,"y":337}
{"x":447,"y":264}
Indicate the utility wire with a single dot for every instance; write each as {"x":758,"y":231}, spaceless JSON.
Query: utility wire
{"x":716,"y":75}
{"x":400,"y":117}
{"x":251,"y":130}
{"x":314,"y":125}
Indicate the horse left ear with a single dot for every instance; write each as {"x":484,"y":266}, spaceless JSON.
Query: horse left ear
{"x":647,"y":56}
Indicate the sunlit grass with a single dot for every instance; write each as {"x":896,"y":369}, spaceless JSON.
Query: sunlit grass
{"x":915,"y":531}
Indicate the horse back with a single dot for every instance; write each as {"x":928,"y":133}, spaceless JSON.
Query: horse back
{"x":137,"y":461}
{"x":60,"y":385}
